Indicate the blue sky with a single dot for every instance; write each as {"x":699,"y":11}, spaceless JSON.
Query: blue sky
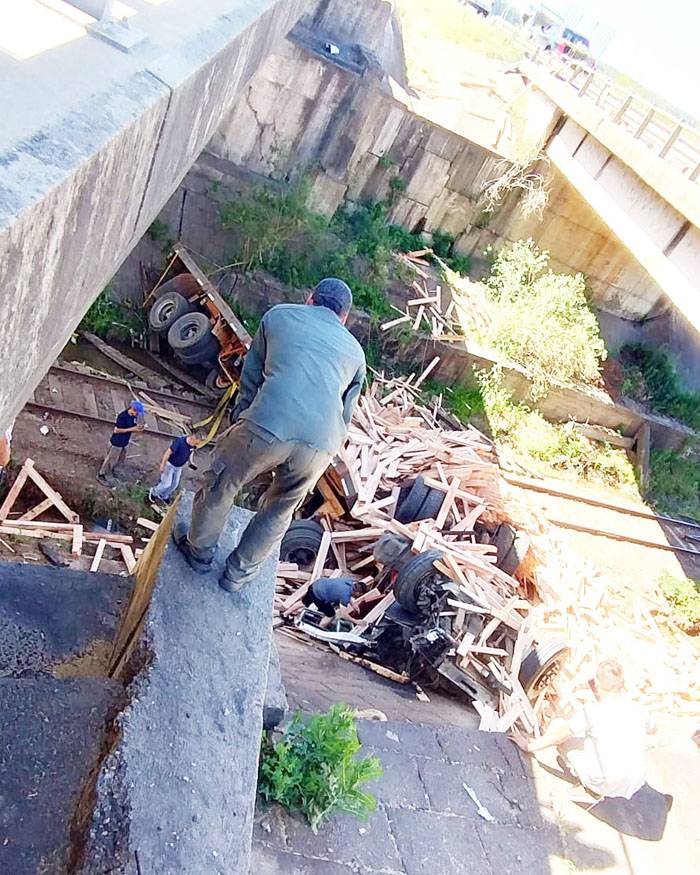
{"x":657,"y":43}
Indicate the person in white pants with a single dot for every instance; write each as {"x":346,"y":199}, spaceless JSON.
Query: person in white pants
{"x":171,"y":465}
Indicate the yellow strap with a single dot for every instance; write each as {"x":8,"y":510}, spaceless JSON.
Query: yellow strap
{"x":217,"y":415}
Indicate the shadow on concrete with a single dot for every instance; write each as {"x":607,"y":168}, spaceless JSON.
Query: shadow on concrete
{"x":643,"y":816}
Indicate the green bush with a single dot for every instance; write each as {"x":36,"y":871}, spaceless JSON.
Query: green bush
{"x":651,"y":378}
{"x":110,"y":319}
{"x":542,"y":320}
{"x":313,"y":768}
{"x":683,"y":594}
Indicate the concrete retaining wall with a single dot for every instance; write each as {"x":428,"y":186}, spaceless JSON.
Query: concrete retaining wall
{"x":93,"y":157}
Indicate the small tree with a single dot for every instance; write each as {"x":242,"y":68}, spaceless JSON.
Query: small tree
{"x":542,"y":320}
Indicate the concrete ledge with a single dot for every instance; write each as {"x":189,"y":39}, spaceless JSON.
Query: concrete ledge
{"x":276,"y":705}
{"x":188,"y":753}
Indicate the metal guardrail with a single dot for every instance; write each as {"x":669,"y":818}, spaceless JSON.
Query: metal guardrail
{"x":666,"y":136}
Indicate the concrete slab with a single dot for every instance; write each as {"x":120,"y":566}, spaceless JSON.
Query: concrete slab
{"x":191,"y":736}
{"x":51,"y":734}
{"x":51,"y":617}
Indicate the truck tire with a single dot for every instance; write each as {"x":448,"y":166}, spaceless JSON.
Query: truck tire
{"x":301,"y":542}
{"x":166,"y":311}
{"x":541,"y":664}
{"x":206,"y":355}
{"x":190,"y":333}
{"x":411,"y":577}
{"x":212,"y":382}
{"x":411,"y":504}
{"x":431,"y":505}
{"x":512,"y":547}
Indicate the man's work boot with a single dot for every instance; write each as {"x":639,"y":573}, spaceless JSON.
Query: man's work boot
{"x":179,"y":536}
{"x":231,"y":585}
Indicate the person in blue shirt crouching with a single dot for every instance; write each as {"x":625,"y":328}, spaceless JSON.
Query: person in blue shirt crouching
{"x":171,"y":466}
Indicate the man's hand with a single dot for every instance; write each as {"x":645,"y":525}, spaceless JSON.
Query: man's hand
{"x":140,"y":428}
{"x":161,"y":468}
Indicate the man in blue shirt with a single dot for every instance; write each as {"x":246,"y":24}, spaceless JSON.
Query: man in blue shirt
{"x":300,"y":382}
{"x":171,"y":466}
{"x":126,"y":424}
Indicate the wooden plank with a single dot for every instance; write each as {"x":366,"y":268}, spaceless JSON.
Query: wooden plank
{"x":15,"y":490}
{"x":147,"y":524}
{"x":98,"y":555}
{"x":426,"y":373}
{"x":128,"y":557}
{"x":603,"y":435}
{"x":34,"y":533}
{"x":321,"y":556}
{"x":133,"y":367}
{"x":50,"y":492}
{"x":146,"y":573}
{"x":366,"y":534}
{"x":36,"y":511}
{"x":628,"y":539}
{"x":372,"y":666}
{"x":77,"y":545}
{"x":447,"y":503}
{"x":376,"y":612}
{"x":387,"y":325}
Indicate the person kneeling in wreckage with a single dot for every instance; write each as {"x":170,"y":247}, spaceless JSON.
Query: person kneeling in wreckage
{"x":299,"y":385}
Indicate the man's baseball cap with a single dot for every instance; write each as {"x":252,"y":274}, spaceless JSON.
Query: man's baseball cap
{"x":334,"y":294}
{"x":138,"y":407}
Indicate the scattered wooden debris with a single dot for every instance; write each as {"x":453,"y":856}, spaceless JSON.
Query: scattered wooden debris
{"x":496,"y":618}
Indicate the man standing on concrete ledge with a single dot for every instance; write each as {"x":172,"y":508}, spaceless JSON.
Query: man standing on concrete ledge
{"x":300,"y":382}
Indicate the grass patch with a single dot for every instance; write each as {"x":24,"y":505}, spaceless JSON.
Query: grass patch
{"x":651,"y":379}
{"x":314,"y":769}
{"x":123,"y":505}
{"x":674,"y":482}
{"x":113,"y":320}
{"x":683,"y":594}
{"x":274,"y":229}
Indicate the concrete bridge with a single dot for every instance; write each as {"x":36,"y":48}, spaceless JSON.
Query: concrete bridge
{"x":94,"y":140}
{"x":645,"y":190}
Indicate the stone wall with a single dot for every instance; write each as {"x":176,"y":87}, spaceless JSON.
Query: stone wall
{"x":304,"y":111}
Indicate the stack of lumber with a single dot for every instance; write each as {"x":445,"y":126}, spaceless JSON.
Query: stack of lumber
{"x":28,"y":526}
{"x":394,"y":437}
{"x":600,"y":619}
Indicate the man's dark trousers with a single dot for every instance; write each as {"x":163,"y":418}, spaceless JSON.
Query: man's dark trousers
{"x":243,"y":454}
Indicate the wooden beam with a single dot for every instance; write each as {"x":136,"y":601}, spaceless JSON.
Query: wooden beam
{"x":98,"y":555}
{"x":50,"y":492}
{"x":616,"y":536}
{"x":36,"y":511}
{"x":77,"y":545}
{"x":643,"y":453}
{"x":15,"y":490}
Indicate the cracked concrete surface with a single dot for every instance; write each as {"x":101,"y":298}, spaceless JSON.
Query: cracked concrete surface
{"x":427,"y":824}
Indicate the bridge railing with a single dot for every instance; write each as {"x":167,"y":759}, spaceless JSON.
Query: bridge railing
{"x":665,"y":135}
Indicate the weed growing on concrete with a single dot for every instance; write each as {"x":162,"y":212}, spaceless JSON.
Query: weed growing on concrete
{"x":313,"y":768}
{"x":113,"y":320}
{"x":651,"y":379}
{"x":160,"y":232}
{"x":683,"y":594}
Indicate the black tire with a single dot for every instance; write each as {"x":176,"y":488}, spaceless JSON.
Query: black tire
{"x":191,"y":333}
{"x":212,"y":382}
{"x":517,"y":553}
{"x":412,"y":575}
{"x":206,"y":355}
{"x":301,"y":542}
{"x":431,"y":505}
{"x":410,"y":506}
{"x":166,"y":311}
{"x":541,"y":664}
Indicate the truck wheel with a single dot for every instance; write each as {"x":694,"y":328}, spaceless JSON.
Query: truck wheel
{"x":301,"y":542}
{"x":431,"y":505}
{"x":212,"y":382}
{"x":542,"y":664}
{"x":206,"y":355}
{"x":191,"y":334}
{"x":413,"y":575}
{"x":166,"y":311}
{"x":511,"y":547}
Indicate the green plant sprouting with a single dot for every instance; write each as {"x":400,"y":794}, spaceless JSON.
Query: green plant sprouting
{"x":313,"y":767}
